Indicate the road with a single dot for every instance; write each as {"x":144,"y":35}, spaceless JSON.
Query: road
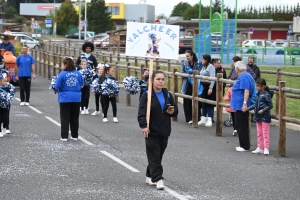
{"x":109,"y":161}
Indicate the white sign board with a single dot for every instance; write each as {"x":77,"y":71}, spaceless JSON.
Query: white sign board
{"x":152,"y":40}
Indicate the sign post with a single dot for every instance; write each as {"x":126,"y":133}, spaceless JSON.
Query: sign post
{"x":48,"y":22}
{"x":152,"y":41}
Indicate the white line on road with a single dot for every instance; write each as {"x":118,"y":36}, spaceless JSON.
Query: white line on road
{"x":175,"y":194}
{"x":85,"y":141}
{"x":52,"y":120}
{"x":119,"y":161}
{"x":36,"y":110}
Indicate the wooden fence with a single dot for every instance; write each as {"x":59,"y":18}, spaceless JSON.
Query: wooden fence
{"x":48,"y":64}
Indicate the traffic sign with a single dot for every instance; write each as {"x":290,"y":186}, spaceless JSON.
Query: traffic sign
{"x":251,"y":30}
{"x":1,"y":21}
{"x":48,"y":22}
{"x":83,"y":23}
{"x":79,"y":27}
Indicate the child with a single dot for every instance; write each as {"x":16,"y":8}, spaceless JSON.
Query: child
{"x":143,"y":82}
{"x":227,"y":97}
{"x":262,"y":115}
{"x":108,"y":74}
{"x":99,"y":71}
{"x":4,"y":108}
{"x":85,"y":91}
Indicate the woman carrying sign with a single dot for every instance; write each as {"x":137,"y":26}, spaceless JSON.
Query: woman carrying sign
{"x":159,"y":129}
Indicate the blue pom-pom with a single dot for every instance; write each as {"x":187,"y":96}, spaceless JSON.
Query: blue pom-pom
{"x":52,"y":84}
{"x":110,"y":88}
{"x":190,"y":71}
{"x":6,"y":97}
{"x":131,"y":84}
{"x":95,"y":86}
{"x":87,"y":75}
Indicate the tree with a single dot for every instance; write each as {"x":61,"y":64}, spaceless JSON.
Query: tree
{"x":10,"y":10}
{"x":217,"y":6}
{"x":66,"y":16}
{"x":193,"y":12}
{"x":98,"y":17}
{"x":162,"y":16}
{"x":180,"y":8}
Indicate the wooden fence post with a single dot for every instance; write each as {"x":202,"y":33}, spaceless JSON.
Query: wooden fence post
{"x":59,"y":64}
{"x":54,"y":64}
{"x":157,"y":62}
{"x":44,"y":65}
{"x":282,"y":123}
{"x":278,"y":78}
{"x":142,"y":67}
{"x":135,"y":61}
{"x":175,"y":90}
{"x":110,"y":58}
{"x":195,"y":102}
{"x":49,"y":65}
{"x":146,"y":62}
{"x":39,"y":62}
{"x":169,"y":79}
{"x":219,"y":99}
{"x":128,"y":96}
{"x":103,"y":58}
{"x":117,"y":76}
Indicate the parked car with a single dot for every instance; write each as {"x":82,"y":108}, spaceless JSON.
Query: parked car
{"x":76,"y":35}
{"x":278,"y":43}
{"x":29,"y":41}
{"x":257,"y":43}
{"x":96,"y":39}
{"x":292,"y":44}
{"x":103,"y":42}
{"x":185,"y":44}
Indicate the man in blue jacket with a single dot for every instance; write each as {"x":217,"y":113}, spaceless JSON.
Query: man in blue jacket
{"x":6,"y":45}
{"x":24,"y":70}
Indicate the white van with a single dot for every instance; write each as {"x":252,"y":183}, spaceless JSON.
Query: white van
{"x":29,"y":41}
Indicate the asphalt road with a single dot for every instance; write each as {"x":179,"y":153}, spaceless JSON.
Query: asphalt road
{"x":35,"y":164}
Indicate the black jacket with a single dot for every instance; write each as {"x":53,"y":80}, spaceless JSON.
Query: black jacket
{"x":160,"y":121}
{"x":256,"y":70}
{"x":263,"y":102}
{"x":223,"y":71}
{"x":92,"y":62}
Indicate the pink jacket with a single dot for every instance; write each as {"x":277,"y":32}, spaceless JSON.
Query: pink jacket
{"x":228,"y":98}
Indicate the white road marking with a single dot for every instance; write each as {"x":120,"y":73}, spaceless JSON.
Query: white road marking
{"x":175,"y":194}
{"x":119,"y":161}
{"x":52,"y":120}
{"x":18,"y":99}
{"x":85,"y":141}
{"x":36,"y":110}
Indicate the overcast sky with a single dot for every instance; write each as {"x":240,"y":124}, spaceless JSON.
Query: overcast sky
{"x":166,"y":6}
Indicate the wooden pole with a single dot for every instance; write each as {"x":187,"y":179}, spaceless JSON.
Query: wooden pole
{"x":44,"y":65}
{"x":40,"y":64}
{"x":149,"y":92}
{"x":169,"y":79}
{"x":175,"y":90}
{"x":278,"y":78}
{"x":195,"y":102}
{"x":282,"y":123}
{"x":49,"y":65}
{"x":128,"y":96}
{"x":117,"y":76}
{"x":219,"y":99}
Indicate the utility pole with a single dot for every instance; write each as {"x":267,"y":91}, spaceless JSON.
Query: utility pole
{"x":85,"y":20}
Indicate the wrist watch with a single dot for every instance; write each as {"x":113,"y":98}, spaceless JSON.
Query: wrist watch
{"x":245,"y":102}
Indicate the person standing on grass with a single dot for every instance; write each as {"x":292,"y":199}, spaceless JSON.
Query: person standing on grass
{"x":68,"y":84}
{"x":262,"y":115}
{"x":25,"y":70}
{"x":158,"y":130}
{"x":254,"y":67}
{"x":233,"y":75}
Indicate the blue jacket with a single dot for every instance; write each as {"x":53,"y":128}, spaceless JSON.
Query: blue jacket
{"x":263,"y":102}
{"x":68,"y":84}
{"x":8,"y":47}
{"x":187,"y":69}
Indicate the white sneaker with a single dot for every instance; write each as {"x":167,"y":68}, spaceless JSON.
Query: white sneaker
{"x":64,"y":140}
{"x":234,"y":133}
{"x":202,"y":122}
{"x":22,"y":104}
{"x":190,"y":122}
{"x":82,"y":112}
{"x":240,"y":149}
{"x":74,"y":139}
{"x":102,"y":115}
{"x":149,"y":181}
{"x":4,"y":131}
{"x":7,"y":131}
{"x":1,"y":134}
{"x":160,"y":185}
{"x":258,"y":150}
{"x":115,"y":120}
{"x":105,"y":120}
{"x":96,"y":113}
{"x":208,"y":122}
{"x":26,"y":103}
{"x":266,"y":152}
{"x":86,"y":111}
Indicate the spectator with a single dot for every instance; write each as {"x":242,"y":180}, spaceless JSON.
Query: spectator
{"x":233,"y":75}
{"x":240,"y":102}
{"x":24,"y":70}
{"x":220,"y":69}
{"x":6,"y":45}
{"x":209,"y":91}
{"x":188,"y":66}
{"x":254,"y":67}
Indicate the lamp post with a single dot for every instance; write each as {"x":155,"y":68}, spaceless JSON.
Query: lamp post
{"x":85,"y":20}
{"x":79,"y":21}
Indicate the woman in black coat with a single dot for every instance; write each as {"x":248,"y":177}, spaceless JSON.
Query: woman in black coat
{"x":159,"y":129}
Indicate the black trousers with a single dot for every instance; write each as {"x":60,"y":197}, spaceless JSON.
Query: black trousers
{"x":155,"y":149}
{"x":233,"y":120}
{"x":69,"y":116}
{"x":242,"y":124}
{"x":105,"y":105}
{"x":85,"y":96}
{"x":188,"y":105}
{"x":25,"y":84}
{"x":98,"y":98}
{"x":4,"y":117}
{"x":7,"y":126}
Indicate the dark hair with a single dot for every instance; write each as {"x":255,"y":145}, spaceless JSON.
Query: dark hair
{"x":143,"y":72}
{"x":236,"y":58}
{"x":262,"y":82}
{"x":69,"y":63}
{"x":215,"y":60}
{"x":155,"y":72}
{"x":195,"y":59}
{"x":251,"y":57}
{"x":207,"y":58}
{"x":88,"y":44}
{"x":102,"y":76}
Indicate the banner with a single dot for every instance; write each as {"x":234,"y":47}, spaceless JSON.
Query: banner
{"x":152,"y":40}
